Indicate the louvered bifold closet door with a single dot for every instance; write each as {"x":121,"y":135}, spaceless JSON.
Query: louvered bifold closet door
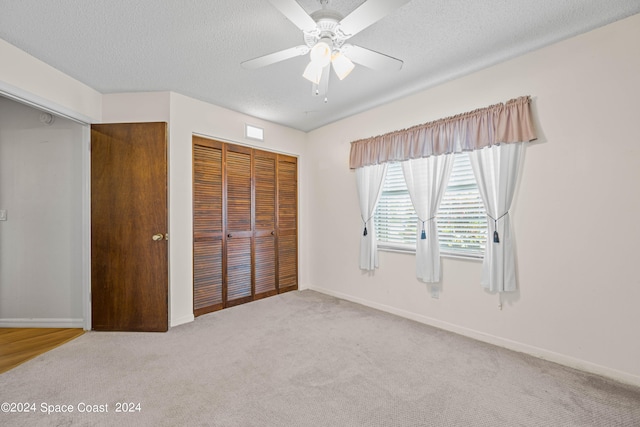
{"x":287,"y":223}
{"x":207,"y":226}
{"x":265,"y":254}
{"x":238,"y":231}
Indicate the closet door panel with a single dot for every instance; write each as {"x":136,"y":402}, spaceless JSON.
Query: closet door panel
{"x":287,"y":193}
{"x":265,"y":190}
{"x":288,"y":262}
{"x":287,"y":179}
{"x":238,"y":173}
{"x":239,"y":233}
{"x":208,"y":226}
{"x":238,"y":270}
{"x":265,"y":265}
{"x":207,"y":276}
{"x":265,"y":223}
{"x":207,"y":191}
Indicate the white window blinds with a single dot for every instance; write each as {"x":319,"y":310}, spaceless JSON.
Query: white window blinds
{"x":395,"y":218}
{"x":461,"y":219}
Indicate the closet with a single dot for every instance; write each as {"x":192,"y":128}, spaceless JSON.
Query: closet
{"x":244,"y":224}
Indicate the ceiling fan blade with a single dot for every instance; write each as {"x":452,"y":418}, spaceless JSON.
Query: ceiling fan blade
{"x":272,"y":58}
{"x":367,"y":13}
{"x":371,"y":59}
{"x":295,"y":13}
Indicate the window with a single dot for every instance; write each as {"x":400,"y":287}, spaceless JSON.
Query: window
{"x":462,"y":222}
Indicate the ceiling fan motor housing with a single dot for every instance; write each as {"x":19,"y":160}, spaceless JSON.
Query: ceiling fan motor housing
{"x":327,"y":27}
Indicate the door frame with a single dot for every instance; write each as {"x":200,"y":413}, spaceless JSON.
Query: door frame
{"x":86,"y":226}
{"x":27,"y":98}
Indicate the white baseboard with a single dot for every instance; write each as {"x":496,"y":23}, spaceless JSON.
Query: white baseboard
{"x":583,"y":365}
{"x":41,"y":323}
{"x":182,"y":320}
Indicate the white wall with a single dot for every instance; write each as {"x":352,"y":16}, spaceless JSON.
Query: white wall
{"x":25,"y":77}
{"x":136,"y":107}
{"x":187,"y":116}
{"x":576,"y":210}
{"x":41,"y":185}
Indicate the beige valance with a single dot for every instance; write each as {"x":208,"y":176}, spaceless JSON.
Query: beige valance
{"x":500,"y":123}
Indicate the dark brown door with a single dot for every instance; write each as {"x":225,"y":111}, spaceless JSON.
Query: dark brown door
{"x":129,"y":265}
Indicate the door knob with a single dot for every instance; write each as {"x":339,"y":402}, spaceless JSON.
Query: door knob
{"x":157,"y":237}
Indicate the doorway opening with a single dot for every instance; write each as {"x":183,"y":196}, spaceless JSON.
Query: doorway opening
{"x":43,"y":227}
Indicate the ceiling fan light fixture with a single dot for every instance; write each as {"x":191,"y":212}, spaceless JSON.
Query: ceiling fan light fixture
{"x":341,"y":65}
{"x":313,"y":72}
{"x":321,"y":52}
{"x":320,"y":57}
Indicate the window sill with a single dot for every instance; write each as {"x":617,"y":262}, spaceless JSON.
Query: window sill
{"x":443,"y":254}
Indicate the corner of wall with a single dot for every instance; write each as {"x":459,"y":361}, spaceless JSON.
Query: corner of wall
{"x":29,"y":80}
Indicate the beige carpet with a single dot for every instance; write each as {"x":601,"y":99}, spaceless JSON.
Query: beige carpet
{"x":306,"y":359}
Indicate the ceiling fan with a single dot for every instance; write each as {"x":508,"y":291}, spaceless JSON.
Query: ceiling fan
{"x":325,"y":33}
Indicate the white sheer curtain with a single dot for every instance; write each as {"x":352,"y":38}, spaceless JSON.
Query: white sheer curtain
{"x":496,"y":171}
{"x":369,"y":180}
{"x":426,"y":180}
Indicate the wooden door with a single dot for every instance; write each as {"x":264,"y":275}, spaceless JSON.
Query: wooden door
{"x":287,"y":223}
{"x":239,"y":235}
{"x":265,"y":253}
{"x":245,"y":220}
{"x":129,"y":253}
{"x":208,"y":226}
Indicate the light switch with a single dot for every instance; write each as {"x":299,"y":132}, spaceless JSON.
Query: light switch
{"x":3,"y":214}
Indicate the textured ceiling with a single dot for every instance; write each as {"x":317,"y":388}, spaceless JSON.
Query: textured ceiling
{"x":195,"y":47}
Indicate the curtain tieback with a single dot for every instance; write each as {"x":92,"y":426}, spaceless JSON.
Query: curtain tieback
{"x":364,"y":233}
{"x":496,"y":238}
{"x":423,"y":235}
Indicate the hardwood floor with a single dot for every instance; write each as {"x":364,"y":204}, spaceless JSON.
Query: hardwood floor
{"x":17,"y":345}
